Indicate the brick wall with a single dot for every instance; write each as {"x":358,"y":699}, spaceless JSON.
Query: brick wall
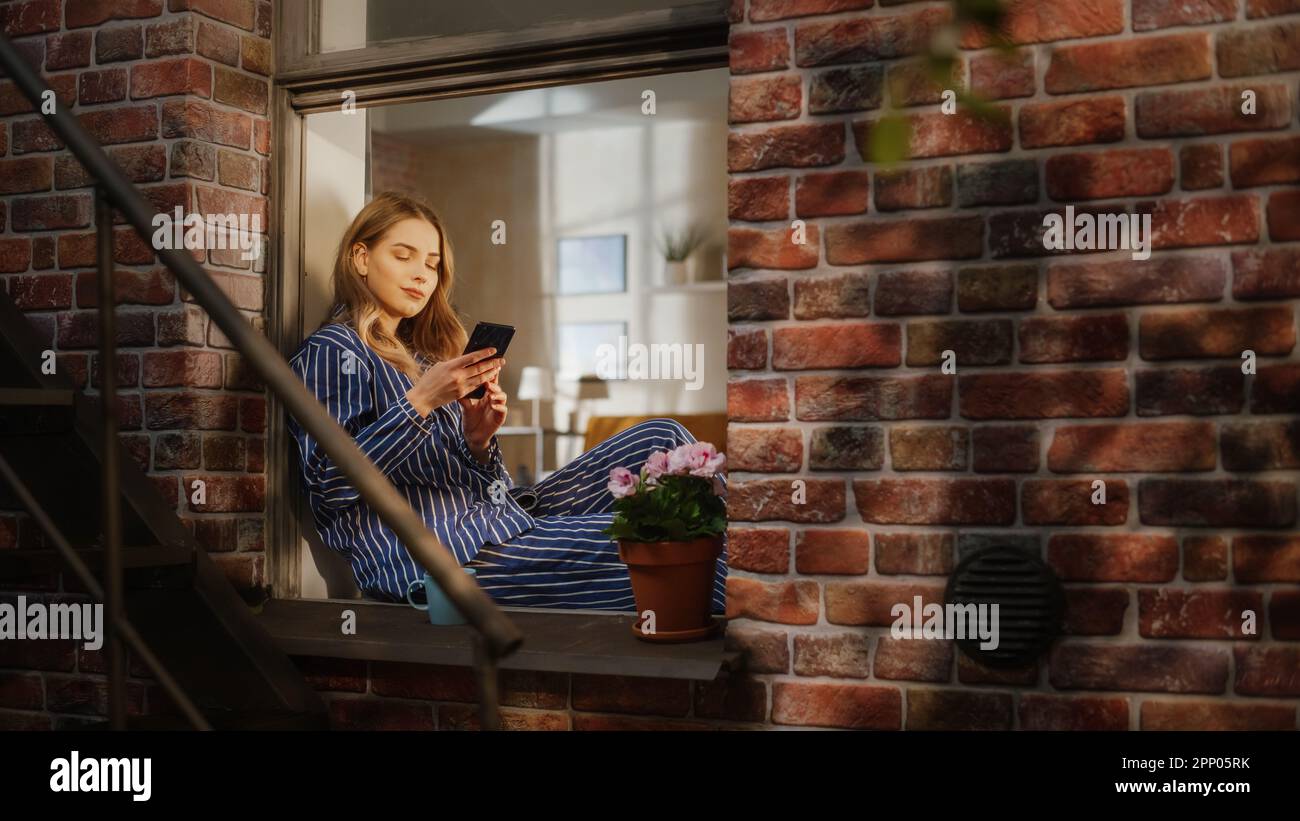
{"x":178,"y":93}
{"x":1070,"y":367}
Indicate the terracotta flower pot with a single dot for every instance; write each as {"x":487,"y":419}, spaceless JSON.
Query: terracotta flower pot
{"x":675,"y":581}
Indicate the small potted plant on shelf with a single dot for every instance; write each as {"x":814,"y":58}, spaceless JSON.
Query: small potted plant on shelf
{"x":669,"y":524}
{"x":677,"y":247}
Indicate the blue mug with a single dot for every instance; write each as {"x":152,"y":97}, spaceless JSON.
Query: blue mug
{"x":441,"y":610}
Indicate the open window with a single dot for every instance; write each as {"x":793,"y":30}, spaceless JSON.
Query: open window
{"x":562,"y":151}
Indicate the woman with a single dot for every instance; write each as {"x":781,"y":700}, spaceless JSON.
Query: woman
{"x":388,"y":367}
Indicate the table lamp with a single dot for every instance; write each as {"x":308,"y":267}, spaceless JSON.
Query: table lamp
{"x":536,"y":383}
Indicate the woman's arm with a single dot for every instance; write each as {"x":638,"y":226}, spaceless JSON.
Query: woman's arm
{"x":342,"y":382}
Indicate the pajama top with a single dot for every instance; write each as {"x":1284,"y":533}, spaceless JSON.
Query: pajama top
{"x":426,"y":458}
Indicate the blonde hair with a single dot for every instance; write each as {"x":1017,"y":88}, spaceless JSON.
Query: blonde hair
{"x":436,"y":331}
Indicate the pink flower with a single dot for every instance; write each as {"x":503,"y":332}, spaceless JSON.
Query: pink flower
{"x":695,"y":459}
{"x":656,"y":465}
{"x":622,"y":482}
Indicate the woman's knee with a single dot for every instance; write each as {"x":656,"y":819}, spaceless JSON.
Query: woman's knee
{"x":673,"y":431}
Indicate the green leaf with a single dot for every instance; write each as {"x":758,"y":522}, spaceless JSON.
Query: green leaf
{"x":887,"y":140}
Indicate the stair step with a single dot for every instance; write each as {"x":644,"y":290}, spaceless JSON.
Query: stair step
{"x":35,"y":397}
{"x":220,"y":721}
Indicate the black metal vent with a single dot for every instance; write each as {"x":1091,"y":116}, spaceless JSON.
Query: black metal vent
{"x":1029,"y":598}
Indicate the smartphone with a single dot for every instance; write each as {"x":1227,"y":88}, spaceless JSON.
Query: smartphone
{"x":488,"y":335}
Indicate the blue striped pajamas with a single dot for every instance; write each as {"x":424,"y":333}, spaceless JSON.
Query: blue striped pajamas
{"x":554,"y":556}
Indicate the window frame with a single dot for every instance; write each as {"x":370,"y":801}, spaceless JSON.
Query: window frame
{"x":642,"y":44}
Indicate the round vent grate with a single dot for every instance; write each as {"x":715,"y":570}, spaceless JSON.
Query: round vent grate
{"x":1029,"y":599}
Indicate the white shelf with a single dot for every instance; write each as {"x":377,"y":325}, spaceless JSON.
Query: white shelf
{"x":690,"y":287}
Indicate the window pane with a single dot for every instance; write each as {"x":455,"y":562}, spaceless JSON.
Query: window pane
{"x":354,"y":24}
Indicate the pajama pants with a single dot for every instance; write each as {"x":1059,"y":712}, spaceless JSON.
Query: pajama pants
{"x":565,"y":561}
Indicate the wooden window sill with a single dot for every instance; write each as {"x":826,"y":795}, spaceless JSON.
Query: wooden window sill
{"x":561,"y":641}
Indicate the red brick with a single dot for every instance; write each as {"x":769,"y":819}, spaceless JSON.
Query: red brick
{"x":841,"y":345}
{"x":1272,"y":273}
{"x":1039,"y":711}
{"x":754,"y":51}
{"x":863,"y":39}
{"x":49,"y":213}
{"x":1069,"y":502}
{"x":1267,"y":671}
{"x":1217,"y":503}
{"x":1204,"y":221}
{"x":1072,"y":122}
{"x":775,"y":248}
{"x":1074,"y":338}
{"x":758,"y":550}
{"x":1261,"y":445}
{"x":1215,"y":715}
{"x":1284,"y":614}
{"x":1201,"y":166}
{"x":1109,"y":174}
{"x":904,"y":240}
{"x":30,"y":17}
{"x":972,"y":672}
{"x":169,"y":37}
{"x":871,"y":398}
{"x":917,"y":82}
{"x":255,"y":55}
{"x":796,"y":146}
{"x":757,"y":199}
{"x":854,"y":88}
{"x":1135,"y":282}
{"x":1284,"y":215}
{"x":766,"y":650}
{"x":936,"y":501}
{"x":782,"y":602}
{"x":758,"y":400}
{"x":1205,"y":558}
{"x":1143,"y":448}
{"x":1264,"y":162}
{"x":761,"y":11}
{"x":1005,"y":449}
{"x":15,"y":254}
{"x":1113,"y":557}
{"x":227,"y":494}
{"x":928,"y":187}
{"x":1146,"y":61}
{"x":161,"y":78}
{"x":201,"y":121}
{"x":929,"y":448}
{"x":935,"y":134}
{"x":1195,"y":333}
{"x":871,"y":602}
{"x":1276,"y":390}
{"x":44,"y":292}
{"x":758,"y":299}
{"x":851,"y":706}
{"x":774,"y":499}
{"x":1189,"y":391}
{"x":848,"y":447}
{"x":240,"y":90}
{"x":1000,"y":76}
{"x":1258,"y":49}
{"x":1161,"y":668}
{"x":68,"y":50}
{"x":1261,"y":558}
{"x":958,"y":710}
{"x":1044,"y":394}
{"x":973,"y":341}
{"x":913,"y":292}
{"x":1270,"y":8}
{"x":121,"y":125}
{"x":190,"y":411}
{"x":1197,"y":112}
{"x":997,"y":183}
{"x":835,"y":296}
{"x":746,"y":348}
{"x":914,"y":554}
{"x":199,"y":369}
{"x":998,"y":288}
{"x":842,"y":655}
{"x":130,"y":287}
{"x":1093,"y":611}
{"x":1044,"y":21}
{"x":379,"y":714}
{"x":913,"y":659}
{"x":1159,"y":14}
{"x":1196,"y":614}
{"x":758,"y":99}
{"x":765,"y":450}
{"x":834,"y":194}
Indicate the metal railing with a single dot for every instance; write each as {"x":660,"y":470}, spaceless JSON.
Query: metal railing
{"x":495,"y":637}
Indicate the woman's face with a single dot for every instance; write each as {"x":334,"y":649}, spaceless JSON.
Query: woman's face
{"x":401,"y":270}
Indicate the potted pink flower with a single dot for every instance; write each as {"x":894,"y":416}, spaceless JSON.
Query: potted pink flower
{"x":669,"y":524}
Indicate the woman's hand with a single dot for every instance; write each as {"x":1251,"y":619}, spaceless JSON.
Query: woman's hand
{"x":450,"y":380}
{"x":484,"y":417}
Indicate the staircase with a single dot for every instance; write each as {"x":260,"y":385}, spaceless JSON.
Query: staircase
{"x":177,"y":598}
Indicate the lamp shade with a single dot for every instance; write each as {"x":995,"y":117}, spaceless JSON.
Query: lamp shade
{"x":591,"y":386}
{"x":536,"y":383}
